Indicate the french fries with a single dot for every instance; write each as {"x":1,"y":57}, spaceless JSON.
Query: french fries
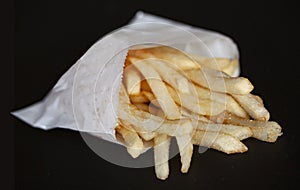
{"x":216,"y":82}
{"x":267,"y":131}
{"x":170,"y":75}
{"x":193,"y":116}
{"x":161,"y":155}
{"x":171,"y":55}
{"x":139,"y":99}
{"x":143,"y":107}
{"x":234,"y":130}
{"x":151,"y":98}
{"x":134,"y":143}
{"x":230,"y":104}
{"x":158,"y":88}
{"x":219,"y":141}
{"x":133,"y":81}
{"x":141,"y":121}
{"x":145,"y":86}
{"x":227,"y":66}
{"x":253,"y":106}
{"x":166,"y":93}
{"x":199,"y":106}
{"x":186,"y":151}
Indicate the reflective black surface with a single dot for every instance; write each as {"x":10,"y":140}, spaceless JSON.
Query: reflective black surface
{"x":51,"y":35}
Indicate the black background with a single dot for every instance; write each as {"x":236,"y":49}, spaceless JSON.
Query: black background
{"x":46,"y":37}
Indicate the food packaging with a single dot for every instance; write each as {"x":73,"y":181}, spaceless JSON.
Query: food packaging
{"x":85,"y":98}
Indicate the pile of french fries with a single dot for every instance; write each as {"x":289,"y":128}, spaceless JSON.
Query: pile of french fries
{"x":167,"y":93}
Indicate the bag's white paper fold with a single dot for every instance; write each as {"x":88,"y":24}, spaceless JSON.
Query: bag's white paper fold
{"x":86,"y":97}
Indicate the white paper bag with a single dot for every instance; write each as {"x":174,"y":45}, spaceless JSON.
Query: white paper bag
{"x":86,"y":97}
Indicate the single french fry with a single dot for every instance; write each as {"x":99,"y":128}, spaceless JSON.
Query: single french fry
{"x":133,"y":142}
{"x":239,"y":132}
{"x":219,"y":141}
{"x":185,"y":146}
{"x":161,"y":156}
{"x":267,"y":131}
{"x":132,"y":81}
{"x":158,"y":88}
{"x":216,"y":81}
{"x":254,"y":108}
